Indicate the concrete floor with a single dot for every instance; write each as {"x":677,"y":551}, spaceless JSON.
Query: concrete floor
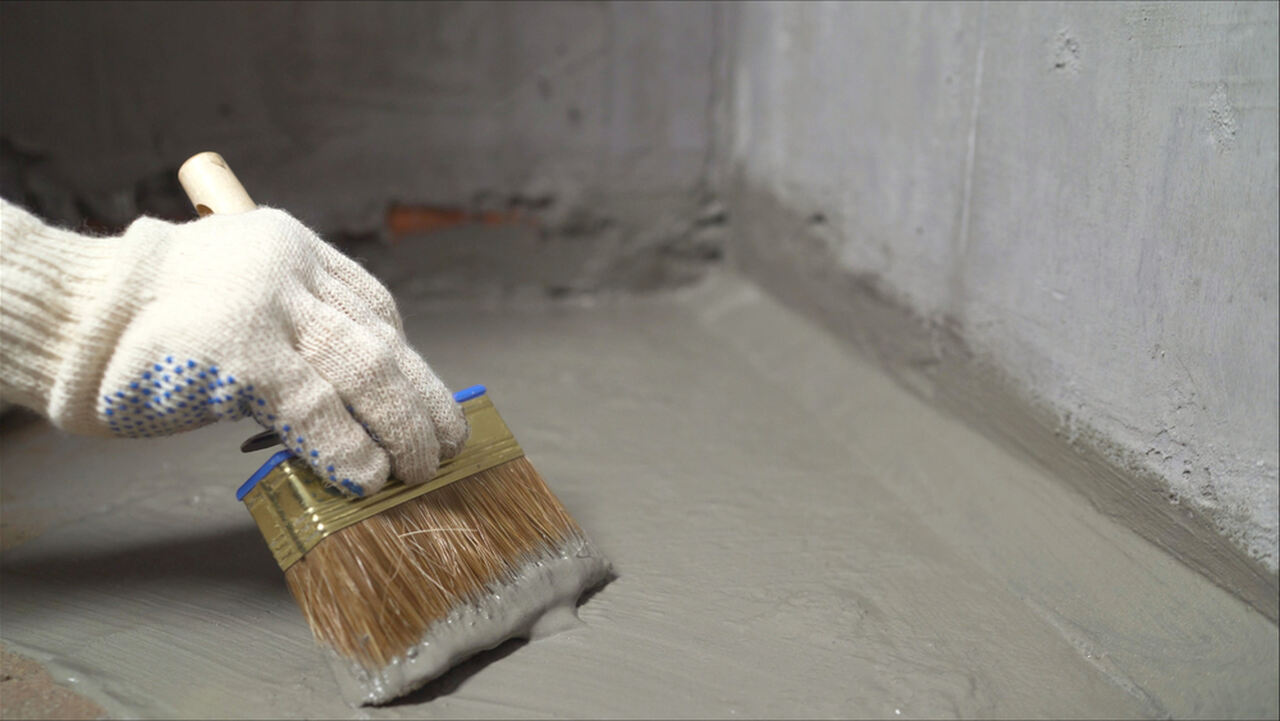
{"x":794,"y":536}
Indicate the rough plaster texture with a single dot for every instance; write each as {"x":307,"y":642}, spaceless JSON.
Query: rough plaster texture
{"x":592,"y":119}
{"x":1069,"y":205}
{"x":795,"y":535}
{"x":1079,"y":198}
{"x":28,"y":692}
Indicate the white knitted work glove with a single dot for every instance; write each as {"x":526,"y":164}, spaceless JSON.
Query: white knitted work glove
{"x":176,"y":325}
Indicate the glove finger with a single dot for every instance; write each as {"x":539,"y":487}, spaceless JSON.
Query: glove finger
{"x":450,"y":423}
{"x":311,"y":418}
{"x":372,"y":294}
{"x":363,"y":367}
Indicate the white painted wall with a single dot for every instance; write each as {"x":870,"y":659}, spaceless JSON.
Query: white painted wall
{"x":1087,"y":193}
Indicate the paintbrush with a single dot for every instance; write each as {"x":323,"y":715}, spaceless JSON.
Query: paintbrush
{"x":401,"y":585}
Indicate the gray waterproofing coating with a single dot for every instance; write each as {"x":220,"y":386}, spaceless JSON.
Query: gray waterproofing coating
{"x":537,"y":601}
{"x":1083,"y":193}
{"x":794,"y":536}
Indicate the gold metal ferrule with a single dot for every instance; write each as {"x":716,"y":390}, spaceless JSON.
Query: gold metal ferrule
{"x":295,"y":509}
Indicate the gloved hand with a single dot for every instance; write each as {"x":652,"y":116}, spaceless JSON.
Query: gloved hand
{"x":176,"y":325}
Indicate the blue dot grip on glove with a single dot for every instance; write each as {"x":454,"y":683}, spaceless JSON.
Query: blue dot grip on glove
{"x":461,"y":396}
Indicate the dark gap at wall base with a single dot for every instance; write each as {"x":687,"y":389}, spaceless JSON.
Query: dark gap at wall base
{"x":495,"y":243}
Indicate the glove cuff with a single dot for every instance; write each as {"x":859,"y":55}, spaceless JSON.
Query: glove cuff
{"x":48,"y":279}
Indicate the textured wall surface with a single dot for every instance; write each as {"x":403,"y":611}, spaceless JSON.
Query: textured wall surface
{"x":1083,"y":197}
{"x":592,"y":118}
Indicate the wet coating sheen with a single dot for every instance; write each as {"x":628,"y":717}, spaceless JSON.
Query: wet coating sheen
{"x":794,"y":536}
{"x":539,"y":602}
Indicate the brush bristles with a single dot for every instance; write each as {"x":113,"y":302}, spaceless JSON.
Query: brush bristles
{"x":371,"y":591}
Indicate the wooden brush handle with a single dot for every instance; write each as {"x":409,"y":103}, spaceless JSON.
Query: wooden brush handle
{"x":212,"y":187}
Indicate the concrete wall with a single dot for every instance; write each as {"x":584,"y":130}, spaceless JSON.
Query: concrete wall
{"x":1058,"y":220}
{"x":590,"y":120}
{"x":1075,"y":202}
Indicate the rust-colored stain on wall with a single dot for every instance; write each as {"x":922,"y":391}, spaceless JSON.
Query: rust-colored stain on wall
{"x":403,"y":220}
